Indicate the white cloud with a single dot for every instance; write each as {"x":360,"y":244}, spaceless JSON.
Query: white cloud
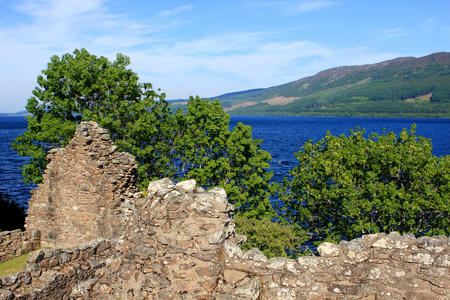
{"x":294,"y":7}
{"x":177,"y":10}
{"x":391,"y":33}
{"x":211,"y":72}
{"x":429,"y":24}
{"x":208,"y":65}
{"x":57,"y":9}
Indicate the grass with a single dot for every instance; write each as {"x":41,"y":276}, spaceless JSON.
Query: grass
{"x":13,"y":265}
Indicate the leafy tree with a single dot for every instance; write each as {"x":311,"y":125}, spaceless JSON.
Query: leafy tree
{"x":198,"y":144}
{"x":209,"y":153}
{"x":345,"y":187}
{"x":81,"y":87}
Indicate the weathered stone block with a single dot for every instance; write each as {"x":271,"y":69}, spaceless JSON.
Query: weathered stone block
{"x":161,"y":184}
{"x":355,"y":250}
{"x":329,"y":249}
{"x":344,"y":289}
{"x":276,"y":263}
{"x":255,"y":255}
{"x":443,"y":260}
{"x":394,"y":241}
{"x":36,"y":256}
{"x":249,"y":290}
{"x":186,"y":186}
{"x":419,"y":257}
{"x":9,"y":280}
{"x":233,"y":276}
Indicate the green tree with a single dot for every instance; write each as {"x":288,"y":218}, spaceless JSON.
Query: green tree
{"x":199,"y":145}
{"x":345,"y":187}
{"x":81,"y":87}
{"x":215,"y":157}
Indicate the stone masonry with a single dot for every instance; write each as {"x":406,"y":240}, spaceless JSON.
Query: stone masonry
{"x":177,"y":241}
{"x":16,"y":243}
{"x":84,"y":185}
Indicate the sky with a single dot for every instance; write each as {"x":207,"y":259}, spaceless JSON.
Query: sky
{"x":207,"y":47}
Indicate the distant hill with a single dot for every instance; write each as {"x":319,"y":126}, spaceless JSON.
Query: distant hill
{"x":20,"y":113}
{"x":402,"y":87}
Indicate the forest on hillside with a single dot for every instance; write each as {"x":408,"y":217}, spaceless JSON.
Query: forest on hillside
{"x":391,"y":92}
{"x":411,"y":87}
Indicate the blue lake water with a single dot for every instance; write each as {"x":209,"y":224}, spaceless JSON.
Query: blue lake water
{"x":282,"y":137}
{"x":285,"y":135}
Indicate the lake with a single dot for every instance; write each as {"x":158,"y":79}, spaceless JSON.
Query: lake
{"x":282,"y":137}
{"x":285,"y":135}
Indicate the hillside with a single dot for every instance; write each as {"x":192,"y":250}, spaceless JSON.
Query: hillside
{"x":402,"y":87}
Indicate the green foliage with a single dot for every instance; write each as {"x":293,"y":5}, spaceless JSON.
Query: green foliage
{"x":81,"y":87}
{"x":441,"y":94}
{"x":212,"y":155}
{"x":345,"y":187}
{"x":272,"y":238}
{"x":197,"y":145}
{"x":12,"y":216}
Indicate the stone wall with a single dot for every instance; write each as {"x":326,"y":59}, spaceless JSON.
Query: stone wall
{"x":375,"y":266}
{"x":84,"y":186}
{"x":179,"y":242}
{"x":57,"y":273}
{"x":170,"y":248}
{"x":16,"y":243}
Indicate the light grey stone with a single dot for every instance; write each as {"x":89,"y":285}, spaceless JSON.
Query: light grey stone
{"x":232,"y":250}
{"x":82,"y":289}
{"x":355,"y":250}
{"x":249,"y":290}
{"x":216,"y":238}
{"x":255,"y":255}
{"x":219,"y":191}
{"x":9,"y":280}
{"x":276,"y":263}
{"x":329,"y":249}
{"x":394,"y":241}
{"x":432,"y":244}
{"x":36,"y":256}
{"x":187,"y":185}
{"x":419,"y":257}
{"x":161,"y":184}
{"x":443,"y":260}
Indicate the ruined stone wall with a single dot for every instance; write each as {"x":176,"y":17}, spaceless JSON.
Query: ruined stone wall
{"x":170,"y":248}
{"x":58,"y":273}
{"x":178,"y":242}
{"x":84,"y":186}
{"x":16,"y":243}
{"x":375,"y":266}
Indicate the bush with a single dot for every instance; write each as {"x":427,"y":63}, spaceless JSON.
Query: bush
{"x":274,"y":239}
{"x":345,"y":187}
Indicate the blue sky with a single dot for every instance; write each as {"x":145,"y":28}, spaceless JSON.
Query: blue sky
{"x":209,"y":47}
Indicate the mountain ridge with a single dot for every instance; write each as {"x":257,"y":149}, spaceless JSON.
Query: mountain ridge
{"x":404,"y":86}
